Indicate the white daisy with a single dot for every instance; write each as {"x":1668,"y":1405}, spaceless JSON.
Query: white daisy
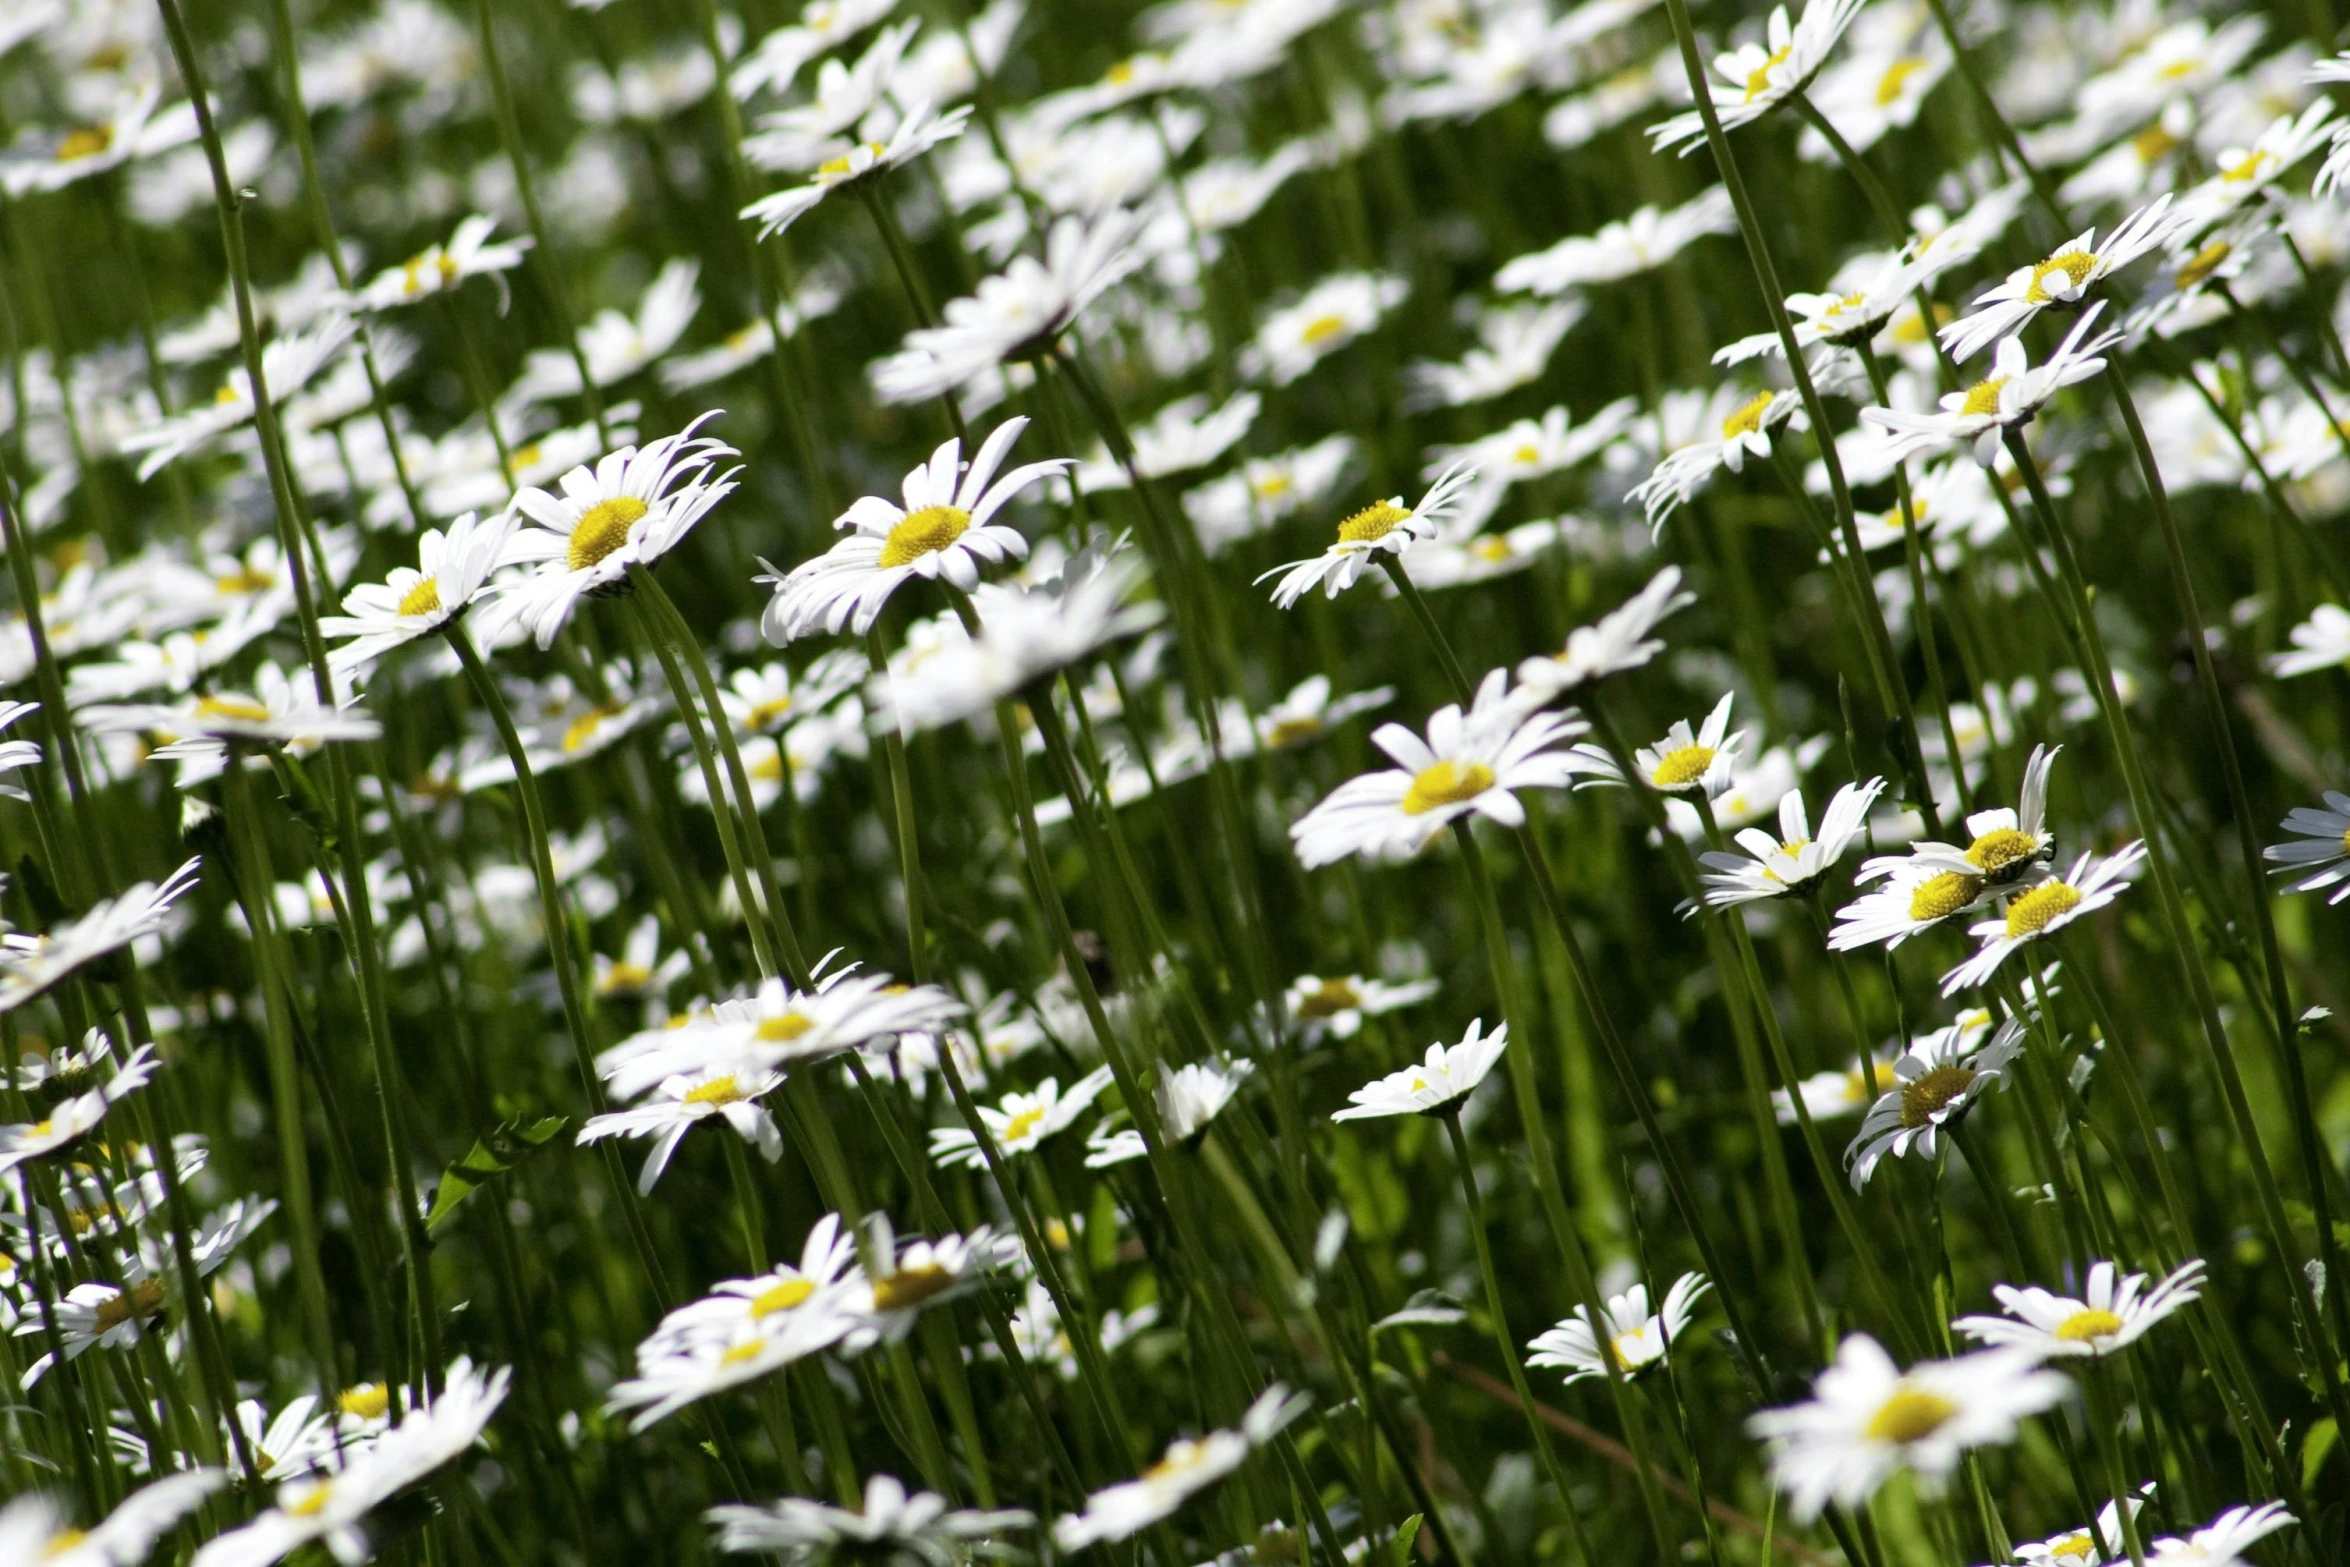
{"x":1773,"y":867}
{"x":918,"y":130}
{"x":2320,"y":642}
{"x":1625,"y":248}
{"x":1832,"y":1095}
{"x":2043,"y":910}
{"x":901,"y":1281}
{"x":2224,"y":1541}
{"x":1189,"y":1466}
{"x":1636,"y":1339}
{"x":29,"y":965}
{"x":1743,"y":431}
{"x":614,"y":344}
{"x":2065,"y":277}
{"x":2015,"y":390}
{"x":1191,"y":1096}
{"x":33,"y":1530}
{"x":2098,"y":1545}
{"x":2005,"y":846}
{"x":2320,"y":858}
{"x":451,"y":570}
{"x":73,"y":1119}
{"x":1691,"y":760}
{"x":2113,"y":1312}
{"x":470,"y":252}
{"x":889,"y":1525}
{"x":1023,"y":1122}
{"x":1934,"y":1082}
{"x":679,"y":1104}
{"x":1619,"y":640}
{"x":1762,"y":75}
{"x":1338,"y":1005}
{"x":1307,"y":713}
{"x":1330,"y":315}
{"x":1443,"y":1078}
{"x":15,"y":754}
{"x":1386,"y":527}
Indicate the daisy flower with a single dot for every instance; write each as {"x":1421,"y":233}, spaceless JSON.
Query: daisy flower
{"x":1868,"y":1419}
{"x":917,"y":132}
{"x":2321,"y":857}
{"x":1018,"y":314}
{"x":131,"y":128}
{"x":1621,"y":639}
{"x":615,"y":344}
{"x":1762,"y":75}
{"x":778,"y":1028}
{"x":287,"y":365}
{"x":1189,"y":1466}
{"x":1331,"y":314}
{"x":15,"y":754}
{"x":901,"y":1281}
{"x":888,"y":1525}
{"x":1308,"y":713}
{"x":1687,"y":760}
{"x":2005,"y":846}
{"x":1745,"y":431}
{"x":1773,"y":867}
{"x":2224,"y":1541}
{"x":470,"y":252}
{"x":69,"y":1122}
{"x":1023,"y":1122}
{"x":1468,"y":762}
{"x":450,"y":571}
{"x":682,"y":1103}
{"x":29,"y":965}
{"x":1828,"y":1095}
{"x":1935,"y":1082}
{"x":1338,"y":1005}
{"x":2244,"y":174}
{"x":1514,"y":348}
{"x":2047,"y":907}
{"x":1647,"y":239}
{"x":1443,"y":1078}
{"x":2113,"y":1312}
{"x":1265,"y":490}
{"x":946,"y":528}
{"x":33,"y":1530}
{"x":2320,"y":642}
{"x":2006,"y":399}
{"x":1191,"y":1096}
{"x":1914,"y":898}
{"x":2064,"y":278}
{"x":2097,"y":1545}
{"x":1636,"y":1338}
{"x":1386,"y":527}
{"x":632,"y":508}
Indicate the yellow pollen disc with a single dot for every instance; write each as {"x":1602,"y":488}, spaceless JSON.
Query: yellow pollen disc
{"x":766,"y":713}
{"x":1932,"y":1093}
{"x":1182,"y":1455}
{"x":1982,"y":398}
{"x":924,"y":532}
{"x":87,"y":142}
{"x":910,"y":1287}
{"x":1056,"y":1232}
{"x":367,"y":1401}
{"x":2001,"y":848}
{"x":1939,"y":897}
{"x":524,"y":458}
{"x":834,"y":168}
{"x":1328,"y":999}
{"x":1911,"y":1415}
{"x":242,"y":708}
{"x":1682,"y":767}
{"x":2088,"y":1326}
{"x":1758,"y":81}
{"x":312,"y":1501}
{"x":1896,"y":77}
{"x":1271,"y":486}
{"x":1293,"y":731}
{"x":783,"y":1028}
{"x":227,"y":395}
{"x":2204,"y":263}
{"x":1321,"y":329}
{"x":1022,"y":1124}
{"x":1446,"y":783}
{"x":446,"y":265}
{"x":43,"y":1128}
{"x":790,"y":1293}
{"x":2074,"y":264}
{"x":59,"y":1544}
{"x":2178,"y":68}
{"x":136,"y":1304}
{"x":1493,"y":547}
{"x":2029,"y":915}
{"x":1617,"y":1347}
{"x":748,"y":1349}
{"x":2153,"y":143}
{"x":768,"y":768}
{"x":717,"y":1091}
{"x":1120,"y":74}
{"x":583,"y":728}
{"x":244,"y":580}
{"x":422,"y":599}
{"x":1526,"y":454}
{"x":626,"y":979}
{"x":1419,"y":1084}
{"x":1749,"y":419}
{"x":412,"y":275}
{"x":2076,"y":1548}
{"x":1372,"y":523}
{"x":602,"y":529}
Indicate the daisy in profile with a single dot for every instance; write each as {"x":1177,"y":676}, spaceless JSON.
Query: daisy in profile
{"x":679,"y":1104}
{"x":1773,"y":867}
{"x":288,"y":364}
{"x":450,"y":571}
{"x":1913,"y":898}
{"x":1744,"y":425}
{"x":901,"y":1280}
{"x":888,"y":1525}
{"x":2320,"y":858}
{"x":1191,"y":1096}
{"x":1189,"y":1466}
{"x":946,"y":528}
{"x":1332,"y":314}
{"x":2006,"y":399}
{"x":1023,"y":1122}
{"x":1621,"y":639}
{"x":130,"y":128}
{"x":632,"y":508}
{"x":1439,"y":1082}
{"x":1868,"y":1420}
{"x":2224,"y":1541}
{"x":1934,"y":1082}
{"x":1688,"y":761}
{"x":2047,"y":907}
{"x":2320,"y":642}
{"x":1647,"y":239}
{"x":2005,"y":847}
{"x":1306,"y":714}
{"x":1337,"y":1006}
{"x":68,"y":1123}
{"x":917,"y":132}
{"x":1761,"y":76}
{"x":15,"y":754}
{"x":30,"y":965}
{"x":1636,"y":1339}
{"x":1467,"y":762}
{"x":2092,"y":1545}
{"x":32,"y":1529}
{"x":1831,"y":1095}
{"x":1386,"y":527}
{"x":2113,"y":1312}
{"x":436,"y":269}
{"x":2064,"y":278}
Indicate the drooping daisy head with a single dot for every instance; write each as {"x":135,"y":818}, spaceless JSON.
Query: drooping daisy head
{"x":1935,"y":1082}
{"x":1436,"y":1084}
{"x":2113,"y":1311}
{"x":1387,"y":527}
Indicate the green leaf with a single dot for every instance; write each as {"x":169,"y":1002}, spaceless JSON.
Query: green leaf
{"x":507,"y":1145}
{"x":2316,"y":1448}
{"x":1405,"y":1533}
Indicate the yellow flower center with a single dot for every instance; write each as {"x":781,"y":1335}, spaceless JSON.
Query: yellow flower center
{"x":243,"y":709}
{"x":1982,"y":398}
{"x":1748,"y":420}
{"x":1932,"y":1093}
{"x":923,"y":532}
{"x":1911,"y":1415}
{"x":2204,"y":263}
{"x":1022,"y":1124}
{"x":312,"y":1501}
{"x":783,"y":1297}
{"x":583,"y":729}
{"x":783,"y":1028}
{"x":1493,"y":547}
{"x":1321,"y":329}
{"x":1896,"y":77}
{"x":524,"y":458}
{"x":1939,"y":897}
{"x":1526,"y":455}
{"x":1292,"y":731}
{"x":226,"y":395}
{"x":1271,"y":486}
{"x":1181,"y":1456}
{"x":1758,"y":80}
{"x":1373,"y":523}
{"x":136,"y":1304}
{"x":2000,"y":849}
{"x":2074,"y":264}
{"x":2153,"y":144}
{"x":1622,"y":1346}
{"x":367,"y":1401}
{"x":1120,"y":74}
{"x":748,"y":1349}
{"x":910,"y":1287}
{"x":717,"y":1091}
{"x":768,"y":768}
{"x":87,"y":142}
{"x":2088,"y":1325}
{"x":62,"y":1542}
{"x":1446,"y":783}
{"x":766,"y":713}
{"x":2077,"y":1548}
{"x":422,"y":599}
{"x":2029,"y":915}
{"x":245,"y":580}
{"x":1328,"y":999}
{"x":602,"y":529}
{"x":1682,"y":766}
{"x":625,"y":978}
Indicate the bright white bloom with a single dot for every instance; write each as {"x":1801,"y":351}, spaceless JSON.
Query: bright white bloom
{"x":946,"y":528}
{"x":1647,"y":239}
{"x":287,"y":365}
{"x":1514,"y":348}
{"x":680,"y":1104}
{"x":2112,"y":1313}
{"x":1188,"y":433}
{"x":1773,"y":867}
{"x":629,"y":510}
{"x":32,"y":1529}
{"x":2064,"y":278}
{"x":917,"y":132}
{"x":1914,"y":898}
{"x":2005,"y":846}
{"x":15,"y":754}
{"x":1468,"y":762}
{"x":2047,"y":907}
{"x":1636,"y":1339}
{"x":1743,"y":431}
{"x":131,"y":128}
{"x":1337,"y":1006}
{"x":2007,"y":398}
{"x":889,"y":1525}
{"x":1189,"y":1466}
{"x":1689,"y":760}
{"x":921,"y":1273}
{"x":1023,"y":1122}
{"x":616,"y":345}
{"x":1308,"y":713}
{"x":1332,"y":314}
{"x":1265,"y":490}
{"x":2320,"y":858}
{"x":2100,"y":1545}
{"x":2224,"y":1541}
{"x":1934,"y":1082}
{"x":2320,"y":642}
{"x":470,"y":252}
{"x":29,"y":965}
{"x":1386,"y":527}
{"x":1443,"y":1078}
{"x":1868,"y":1419}
{"x":1762,"y":75}
{"x":778,"y":1028}
{"x":1828,"y":1095}
{"x":69,"y":1122}
{"x":451,"y":569}
{"x":1191,"y":1096}
{"x":1621,"y":639}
